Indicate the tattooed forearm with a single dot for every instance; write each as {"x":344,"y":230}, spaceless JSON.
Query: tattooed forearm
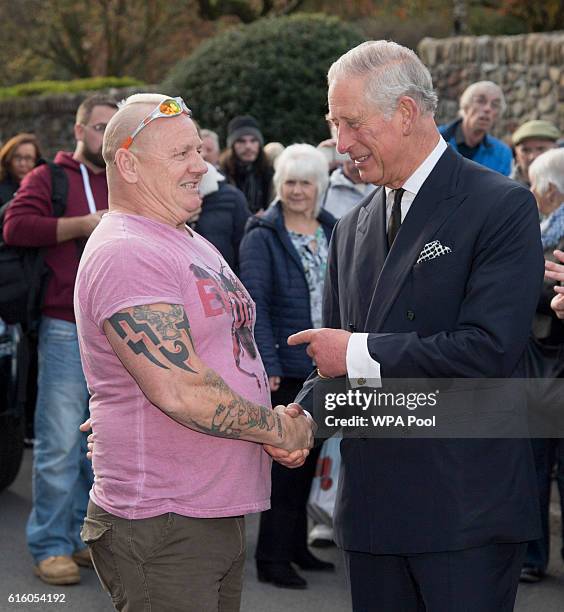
{"x":214,"y":381}
{"x":235,"y":415}
{"x":235,"y":420}
{"x":147,"y":328}
{"x":240,"y":416}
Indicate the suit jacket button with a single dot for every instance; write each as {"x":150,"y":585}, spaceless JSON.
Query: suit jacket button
{"x":361,"y":381}
{"x":410,"y":315}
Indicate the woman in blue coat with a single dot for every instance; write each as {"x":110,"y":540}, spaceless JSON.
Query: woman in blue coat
{"x":283,"y":259}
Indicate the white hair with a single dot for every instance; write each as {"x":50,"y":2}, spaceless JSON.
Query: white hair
{"x":548,"y":168}
{"x":472,"y":90}
{"x":391,"y":71}
{"x":302,"y":162}
{"x":210,"y":134}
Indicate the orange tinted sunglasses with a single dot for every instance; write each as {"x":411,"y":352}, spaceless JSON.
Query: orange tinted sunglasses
{"x":169,"y":107}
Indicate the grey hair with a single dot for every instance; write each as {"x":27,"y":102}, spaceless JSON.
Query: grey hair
{"x":471,"y":90}
{"x":210,"y":134}
{"x":548,"y":168}
{"x":302,"y":162}
{"x":391,"y":71}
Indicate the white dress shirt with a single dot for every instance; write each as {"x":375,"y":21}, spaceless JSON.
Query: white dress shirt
{"x":361,"y":368}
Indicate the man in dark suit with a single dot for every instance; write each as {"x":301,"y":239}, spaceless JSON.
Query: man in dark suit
{"x":437,"y":275}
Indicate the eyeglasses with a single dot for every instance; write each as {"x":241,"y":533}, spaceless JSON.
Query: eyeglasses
{"x":99,"y":127}
{"x":171,"y":107}
{"x":28,"y":159}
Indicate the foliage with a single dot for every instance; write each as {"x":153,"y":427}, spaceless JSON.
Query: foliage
{"x":36,"y":88}
{"x":58,"y":39}
{"x":82,"y":38}
{"x":246,"y":11}
{"x":483,"y":20}
{"x":537,"y":16}
{"x":273,"y":69}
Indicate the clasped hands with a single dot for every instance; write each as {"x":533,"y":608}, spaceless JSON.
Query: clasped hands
{"x":296,"y":433}
{"x":328,"y":349}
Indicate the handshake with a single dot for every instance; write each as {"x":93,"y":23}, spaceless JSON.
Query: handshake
{"x":291,"y":431}
{"x":298,"y":430}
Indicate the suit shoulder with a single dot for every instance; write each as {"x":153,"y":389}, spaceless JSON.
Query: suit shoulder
{"x":479,"y":181}
{"x":350,"y":218}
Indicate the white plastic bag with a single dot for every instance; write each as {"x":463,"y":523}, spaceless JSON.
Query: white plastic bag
{"x":323,"y":493}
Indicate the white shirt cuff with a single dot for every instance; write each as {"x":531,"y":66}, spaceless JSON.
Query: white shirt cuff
{"x":361,"y":368}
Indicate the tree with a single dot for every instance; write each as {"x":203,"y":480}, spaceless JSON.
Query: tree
{"x":538,"y":16}
{"x":116,"y":37}
{"x":274,"y":69}
{"x":246,"y":11}
{"x":459,"y":15}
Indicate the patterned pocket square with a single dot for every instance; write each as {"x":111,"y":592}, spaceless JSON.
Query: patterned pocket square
{"x":432,"y":250}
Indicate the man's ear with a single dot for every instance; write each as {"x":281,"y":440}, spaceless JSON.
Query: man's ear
{"x":78,"y":132}
{"x":409,"y":111}
{"x":127,"y":165}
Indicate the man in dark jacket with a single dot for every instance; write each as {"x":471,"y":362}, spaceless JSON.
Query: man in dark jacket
{"x":62,"y":476}
{"x":223,"y":215}
{"x":245,"y":165}
{"x":437,"y":275}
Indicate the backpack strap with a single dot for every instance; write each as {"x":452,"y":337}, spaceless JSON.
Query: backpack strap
{"x":38,"y":273}
{"x":59,"y":190}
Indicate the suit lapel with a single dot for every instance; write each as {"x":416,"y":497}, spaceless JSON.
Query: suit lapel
{"x":426,"y":215}
{"x":370,"y":248}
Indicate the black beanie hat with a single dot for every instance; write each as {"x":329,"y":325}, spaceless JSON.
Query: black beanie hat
{"x":243,"y":125}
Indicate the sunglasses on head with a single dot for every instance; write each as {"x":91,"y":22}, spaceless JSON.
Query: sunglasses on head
{"x":169,"y":107}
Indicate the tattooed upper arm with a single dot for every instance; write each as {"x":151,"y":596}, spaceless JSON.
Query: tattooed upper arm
{"x":158,"y":332}
{"x":155,"y":345}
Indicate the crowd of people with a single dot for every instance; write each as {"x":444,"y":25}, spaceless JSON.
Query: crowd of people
{"x":191,"y":289}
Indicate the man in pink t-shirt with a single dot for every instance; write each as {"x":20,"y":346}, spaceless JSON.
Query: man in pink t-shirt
{"x":180,"y":406}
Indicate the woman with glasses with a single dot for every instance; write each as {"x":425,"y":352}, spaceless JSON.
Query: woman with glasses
{"x":282,"y":264}
{"x":17,"y":157}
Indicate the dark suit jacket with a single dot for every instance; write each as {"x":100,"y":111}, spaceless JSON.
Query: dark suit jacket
{"x":466,"y":314}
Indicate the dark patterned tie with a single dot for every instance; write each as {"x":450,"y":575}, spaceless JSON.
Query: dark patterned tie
{"x":395,"y":218}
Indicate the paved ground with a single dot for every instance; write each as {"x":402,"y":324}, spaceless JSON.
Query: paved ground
{"x":326,"y":592}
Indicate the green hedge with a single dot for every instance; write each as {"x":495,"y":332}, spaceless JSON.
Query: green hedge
{"x":36,"y":88}
{"x":274,"y":69}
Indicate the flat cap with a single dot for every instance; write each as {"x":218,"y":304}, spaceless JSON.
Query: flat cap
{"x":535,"y":129}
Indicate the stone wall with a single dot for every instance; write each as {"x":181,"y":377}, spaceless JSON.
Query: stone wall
{"x":529,"y":68}
{"x":50,"y":118}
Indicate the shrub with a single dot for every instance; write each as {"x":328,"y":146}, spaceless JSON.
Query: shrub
{"x":36,"y":88}
{"x":274,"y":69}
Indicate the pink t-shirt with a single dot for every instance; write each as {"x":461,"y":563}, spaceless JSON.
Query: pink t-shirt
{"x":145,"y":463}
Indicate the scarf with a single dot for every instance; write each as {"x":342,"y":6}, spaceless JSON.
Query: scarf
{"x":552,"y":230}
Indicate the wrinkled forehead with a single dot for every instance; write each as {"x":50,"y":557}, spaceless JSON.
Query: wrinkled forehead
{"x":346,"y":97}
{"x":487,"y":91}
{"x":166,"y":136}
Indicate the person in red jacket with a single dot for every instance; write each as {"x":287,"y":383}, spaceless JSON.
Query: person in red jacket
{"x":62,"y":476}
